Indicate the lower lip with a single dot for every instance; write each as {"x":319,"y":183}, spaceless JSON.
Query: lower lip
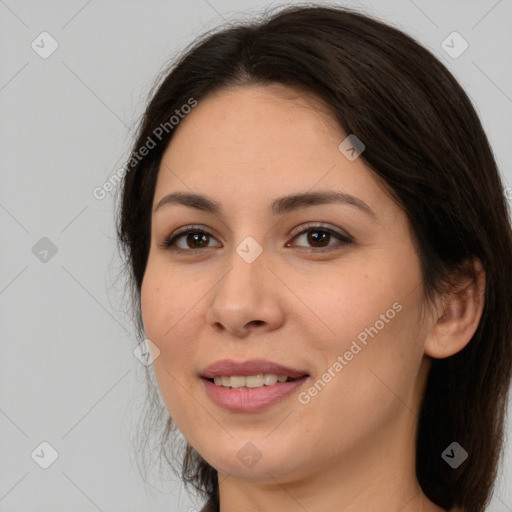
{"x":251,"y":399}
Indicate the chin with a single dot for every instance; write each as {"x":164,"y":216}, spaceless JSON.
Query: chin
{"x":256,"y":461}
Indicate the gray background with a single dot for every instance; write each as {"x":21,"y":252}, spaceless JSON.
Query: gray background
{"x":68,"y":374}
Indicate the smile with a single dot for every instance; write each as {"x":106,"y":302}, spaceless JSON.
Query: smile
{"x":250,"y":381}
{"x":246,"y":399}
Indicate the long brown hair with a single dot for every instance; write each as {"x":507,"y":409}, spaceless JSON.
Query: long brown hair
{"x":426,"y":144}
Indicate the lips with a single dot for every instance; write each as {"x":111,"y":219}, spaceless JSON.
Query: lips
{"x":247,"y":399}
{"x":230,"y":368}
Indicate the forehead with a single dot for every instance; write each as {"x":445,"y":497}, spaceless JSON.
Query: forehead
{"x":249,"y":142}
{"x":239,"y":120}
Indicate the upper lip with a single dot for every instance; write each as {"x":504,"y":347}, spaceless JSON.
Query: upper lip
{"x":229,"y":368}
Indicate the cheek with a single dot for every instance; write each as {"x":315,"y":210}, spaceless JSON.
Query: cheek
{"x":168,"y":311}
{"x":372,"y":320}
{"x":168,"y":315}
{"x":365,"y":298}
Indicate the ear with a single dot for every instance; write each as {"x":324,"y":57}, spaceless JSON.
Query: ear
{"x":457,"y":314}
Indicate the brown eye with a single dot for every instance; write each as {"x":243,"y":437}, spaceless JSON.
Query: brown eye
{"x":193,"y":239}
{"x":318,"y":237}
{"x":201,"y":239}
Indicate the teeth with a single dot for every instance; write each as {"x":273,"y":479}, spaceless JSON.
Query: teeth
{"x":237,"y":382}
{"x":254,"y":381}
{"x":251,"y":381}
{"x":269,"y":379}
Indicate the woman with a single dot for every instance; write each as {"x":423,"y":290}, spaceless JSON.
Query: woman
{"x":319,"y":249}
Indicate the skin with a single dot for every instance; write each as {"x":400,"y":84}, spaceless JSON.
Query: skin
{"x":352,"y":447}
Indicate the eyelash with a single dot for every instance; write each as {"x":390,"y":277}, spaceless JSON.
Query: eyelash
{"x":169,"y":243}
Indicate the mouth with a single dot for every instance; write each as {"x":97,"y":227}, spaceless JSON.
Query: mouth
{"x":250,"y":386}
{"x":251,"y":381}
{"x":252,"y":368}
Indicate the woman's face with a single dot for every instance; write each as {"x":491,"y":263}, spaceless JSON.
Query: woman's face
{"x":265,"y":284}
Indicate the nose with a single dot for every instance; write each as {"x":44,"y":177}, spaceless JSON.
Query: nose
{"x":247,"y":298}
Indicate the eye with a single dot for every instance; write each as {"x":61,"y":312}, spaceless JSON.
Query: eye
{"x":195,"y":238}
{"x":319,"y":237}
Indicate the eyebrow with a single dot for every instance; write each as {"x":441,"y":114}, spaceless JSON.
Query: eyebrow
{"x":279,"y":206}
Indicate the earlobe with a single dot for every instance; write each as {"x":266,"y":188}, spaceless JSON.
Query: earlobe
{"x":458,"y":315}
